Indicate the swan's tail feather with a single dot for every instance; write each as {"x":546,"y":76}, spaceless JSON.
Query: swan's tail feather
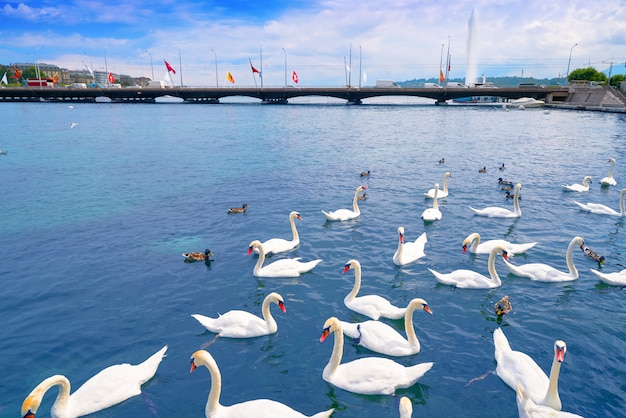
{"x":324,"y":414}
{"x":205,"y":321}
{"x":419,"y":370}
{"x":421,"y":240}
{"x":151,"y":364}
{"x":500,"y":342}
{"x":328,"y":215}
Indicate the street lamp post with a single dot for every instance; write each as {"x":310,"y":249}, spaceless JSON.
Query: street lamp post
{"x":151,"y":66}
{"x":215,"y":55}
{"x":569,"y":61}
{"x":106,"y":67}
{"x":285,"y":66}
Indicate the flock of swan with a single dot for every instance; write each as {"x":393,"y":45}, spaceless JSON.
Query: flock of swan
{"x":536,"y":393}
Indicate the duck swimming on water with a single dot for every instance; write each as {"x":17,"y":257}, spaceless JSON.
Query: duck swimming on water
{"x":242,"y":209}
{"x":197,"y":256}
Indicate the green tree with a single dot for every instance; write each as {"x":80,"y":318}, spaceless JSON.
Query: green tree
{"x":617,"y":79}
{"x":589,"y":74}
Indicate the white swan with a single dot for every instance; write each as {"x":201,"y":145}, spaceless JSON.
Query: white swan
{"x":108,"y":387}
{"x":433,"y":214}
{"x":281,"y":245}
{"x":526,"y":408}
{"x":475,"y":246}
{"x":578,"y":187}
{"x":601,"y":209}
{"x":407,"y":252}
{"x":545,"y":273}
{"x":496,"y":212}
{"x":609,"y":180}
{"x":469,"y":279}
{"x":373,"y":306}
{"x":286,"y":267}
{"x":384,"y":339}
{"x":242,"y":324}
{"x":260,"y":408}
{"x":516,"y":367}
{"x":441,"y":193}
{"x":345,"y":214}
{"x":614,"y":279}
{"x":405,"y":408}
{"x":367,"y":375}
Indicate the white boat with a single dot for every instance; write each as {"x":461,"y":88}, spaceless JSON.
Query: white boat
{"x":526,"y":102}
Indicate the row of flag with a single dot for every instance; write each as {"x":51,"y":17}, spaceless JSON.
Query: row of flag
{"x":229,"y":76}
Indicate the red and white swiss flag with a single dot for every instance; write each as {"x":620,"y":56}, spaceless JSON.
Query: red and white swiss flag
{"x":294,"y":77}
{"x":111,"y":78}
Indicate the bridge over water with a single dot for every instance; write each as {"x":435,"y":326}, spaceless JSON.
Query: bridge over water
{"x":352,"y":95}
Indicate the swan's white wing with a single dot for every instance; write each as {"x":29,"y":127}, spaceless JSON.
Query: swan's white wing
{"x":539,"y":272}
{"x":375,"y":306}
{"x":495,"y":212}
{"x":113,"y":385}
{"x":613,"y":279}
{"x":278,"y":245}
{"x":575,"y":188}
{"x":597,"y":208}
{"x":235,"y":324}
{"x":464,"y":279}
{"x":264,"y":408}
{"x":375,"y":376}
{"x":381,"y":338}
{"x":288,"y":267}
{"x":341,"y":215}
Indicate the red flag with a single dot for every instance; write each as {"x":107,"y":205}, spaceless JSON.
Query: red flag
{"x":111,"y":78}
{"x":294,"y":77}
{"x":254,"y":70}
{"x":169,"y":67}
{"x":230,"y":77}
{"x":18,"y":73}
{"x":441,"y":77}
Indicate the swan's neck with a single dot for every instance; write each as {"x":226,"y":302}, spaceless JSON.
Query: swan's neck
{"x":516,"y":207}
{"x":260,"y":260}
{"x":409,"y":329}
{"x":335,"y":357}
{"x":569,"y":259}
{"x":491,"y":266}
{"x":400,"y":248}
{"x":267,"y":315}
{"x":294,"y":230}
{"x":552,"y":398}
{"x":435,"y":203}
{"x":61,"y":404}
{"x":355,"y":206}
{"x":611,"y":169}
{"x":445,"y":184}
{"x":213,"y":402}
{"x":585,"y":182}
{"x":357,"y":283}
{"x":622,"y":211}
{"x":475,"y":242}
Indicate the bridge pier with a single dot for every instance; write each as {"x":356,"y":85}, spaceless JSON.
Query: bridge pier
{"x":209,"y":100}
{"x":274,"y":100}
{"x":354,"y":102}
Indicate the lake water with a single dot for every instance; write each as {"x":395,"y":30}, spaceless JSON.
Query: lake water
{"x":93,"y":221}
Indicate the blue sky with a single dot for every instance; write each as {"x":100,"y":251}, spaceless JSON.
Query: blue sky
{"x":393,"y":40}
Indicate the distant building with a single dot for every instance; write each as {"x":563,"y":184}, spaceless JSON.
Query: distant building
{"x":67,"y":77}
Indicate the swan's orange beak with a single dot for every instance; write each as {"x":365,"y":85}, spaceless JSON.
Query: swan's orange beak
{"x":401,"y":238}
{"x":325,"y":334}
{"x":29,"y":415}
{"x":346,"y":268}
{"x":464,"y":248}
{"x":299,"y":217}
{"x":427,"y":309}
{"x":250,"y":250}
{"x":193,"y":366}
{"x":505,"y":255}
{"x":281,"y":305}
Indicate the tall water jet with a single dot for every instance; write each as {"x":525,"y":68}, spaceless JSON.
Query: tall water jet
{"x":472,"y":59}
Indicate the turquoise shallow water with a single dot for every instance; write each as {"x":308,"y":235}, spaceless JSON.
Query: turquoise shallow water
{"x":93,"y":221}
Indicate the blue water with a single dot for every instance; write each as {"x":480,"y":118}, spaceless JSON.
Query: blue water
{"x":93,"y":221}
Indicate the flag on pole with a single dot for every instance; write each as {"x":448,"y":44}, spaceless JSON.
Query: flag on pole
{"x":229,"y":77}
{"x":347,"y":67}
{"x":364,"y":77}
{"x":88,"y":69}
{"x":55,"y":77}
{"x":18,"y":73}
{"x":254,"y":70}
{"x":111,"y":78}
{"x":169,"y":67}
{"x":4,"y":79}
{"x":294,"y":77}
{"x":441,"y":77}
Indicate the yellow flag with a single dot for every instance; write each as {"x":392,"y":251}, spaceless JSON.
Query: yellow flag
{"x":229,"y":77}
